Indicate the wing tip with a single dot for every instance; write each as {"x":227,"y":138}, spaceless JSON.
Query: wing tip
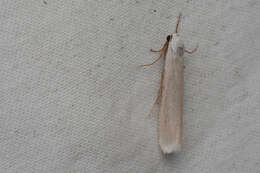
{"x":170,"y":148}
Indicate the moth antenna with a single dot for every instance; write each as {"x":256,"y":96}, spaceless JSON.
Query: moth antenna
{"x":177,"y":26}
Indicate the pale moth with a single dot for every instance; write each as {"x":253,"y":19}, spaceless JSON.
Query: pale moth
{"x":170,"y":94}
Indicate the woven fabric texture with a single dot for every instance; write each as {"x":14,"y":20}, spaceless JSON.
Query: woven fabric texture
{"x":72,"y":99}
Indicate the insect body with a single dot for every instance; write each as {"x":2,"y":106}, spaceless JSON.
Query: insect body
{"x":170,"y":94}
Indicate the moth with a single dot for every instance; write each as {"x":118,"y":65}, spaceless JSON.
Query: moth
{"x":170,"y":94}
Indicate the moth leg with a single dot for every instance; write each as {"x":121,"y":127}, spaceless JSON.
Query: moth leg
{"x":156,"y":51}
{"x":159,"y":94}
{"x":152,"y":62}
{"x":191,"y":51}
{"x":163,"y":53}
{"x":157,"y":101}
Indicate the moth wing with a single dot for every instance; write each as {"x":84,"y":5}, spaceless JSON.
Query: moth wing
{"x":170,"y":115}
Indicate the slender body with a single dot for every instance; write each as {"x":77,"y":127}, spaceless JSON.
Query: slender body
{"x":170,"y":94}
{"x":170,"y":116}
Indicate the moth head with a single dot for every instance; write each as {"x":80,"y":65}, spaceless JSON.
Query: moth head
{"x":169,"y":38}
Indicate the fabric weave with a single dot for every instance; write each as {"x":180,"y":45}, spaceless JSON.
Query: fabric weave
{"x":73,"y":100}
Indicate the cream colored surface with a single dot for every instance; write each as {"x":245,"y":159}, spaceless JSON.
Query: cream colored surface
{"x":170,"y":116}
{"x":72,"y":99}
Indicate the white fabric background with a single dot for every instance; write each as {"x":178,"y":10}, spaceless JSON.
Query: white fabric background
{"x":72,"y":99}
